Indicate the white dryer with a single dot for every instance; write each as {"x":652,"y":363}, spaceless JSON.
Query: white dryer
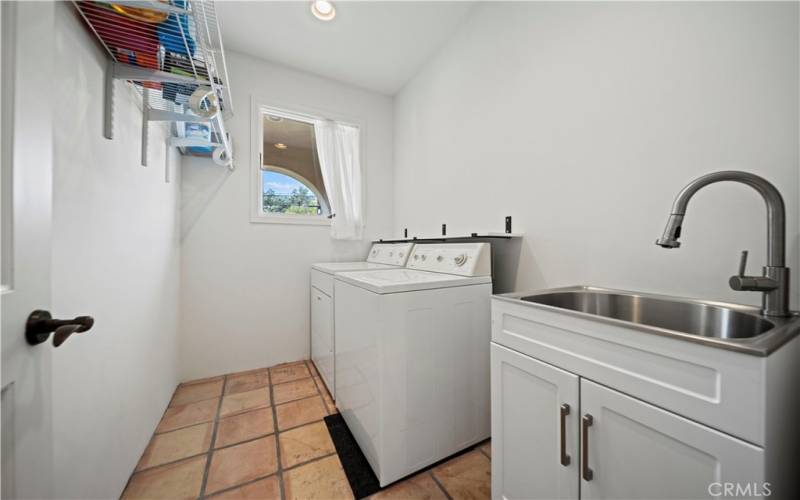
{"x":323,"y":338}
{"x":412,"y":356}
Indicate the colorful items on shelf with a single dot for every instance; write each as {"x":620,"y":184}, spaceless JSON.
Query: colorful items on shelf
{"x":181,"y":65}
{"x":141,"y":14}
{"x":165,"y":41}
{"x":174,"y":33}
{"x":130,"y":41}
{"x":149,"y":38}
{"x":201,"y":132}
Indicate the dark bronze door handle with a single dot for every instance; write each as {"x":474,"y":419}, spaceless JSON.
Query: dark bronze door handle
{"x":41,"y":324}
{"x":565,"y":459}
{"x":586,"y":471}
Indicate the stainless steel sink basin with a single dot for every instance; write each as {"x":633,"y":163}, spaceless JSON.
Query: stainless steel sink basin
{"x":687,"y":317}
{"x":732,"y":326}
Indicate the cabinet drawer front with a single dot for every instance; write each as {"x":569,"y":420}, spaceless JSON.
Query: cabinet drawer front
{"x":322,"y":281}
{"x":528,"y":461}
{"x":637,"y":450}
{"x":716,"y":387}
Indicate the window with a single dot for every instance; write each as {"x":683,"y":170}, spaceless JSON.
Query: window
{"x":290,"y":184}
{"x":283,"y":193}
{"x":306,"y":165}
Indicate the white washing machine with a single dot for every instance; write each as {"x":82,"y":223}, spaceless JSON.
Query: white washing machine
{"x":323,"y":338}
{"x":412,"y":356}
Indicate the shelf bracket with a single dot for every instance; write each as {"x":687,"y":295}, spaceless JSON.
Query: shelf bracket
{"x":108,"y":105}
{"x":158,"y":115}
{"x":124,"y":71}
{"x":145,"y":123}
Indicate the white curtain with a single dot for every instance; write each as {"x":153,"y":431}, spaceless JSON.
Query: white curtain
{"x":338,"y":150}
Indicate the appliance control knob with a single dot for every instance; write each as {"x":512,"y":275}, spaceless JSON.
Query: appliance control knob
{"x":439,"y":258}
{"x":374,"y":252}
{"x":424,"y":256}
{"x":460,"y":259}
{"x":416,"y":256}
{"x":400,"y":254}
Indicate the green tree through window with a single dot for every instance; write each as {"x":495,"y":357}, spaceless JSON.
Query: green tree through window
{"x":285,"y":195}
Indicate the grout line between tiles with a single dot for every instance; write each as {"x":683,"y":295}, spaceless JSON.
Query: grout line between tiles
{"x":240,"y":485}
{"x":300,"y":399}
{"x":480,"y":446}
{"x":277,"y":473}
{"x":315,"y":459}
{"x":213,"y":439}
{"x":215,"y":421}
{"x":295,"y":379}
{"x":324,"y":401}
{"x":279,"y":468}
{"x":153,"y":435}
{"x":282,"y":431}
{"x":171,"y":462}
{"x":170,"y":405}
{"x":248,"y":440}
{"x":161,"y":433}
{"x":439,"y":484}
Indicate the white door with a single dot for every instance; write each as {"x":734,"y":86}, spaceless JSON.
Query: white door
{"x":534,"y":428}
{"x":636,"y":450}
{"x":26,"y":130}
{"x":322,"y":337}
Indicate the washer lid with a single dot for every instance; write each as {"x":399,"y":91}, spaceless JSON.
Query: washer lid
{"x":338,"y":267}
{"x":407,"y":280}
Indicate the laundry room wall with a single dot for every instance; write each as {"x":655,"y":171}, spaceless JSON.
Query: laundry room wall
{"x":115,"y":256}
{"x":245,"y":286}
{"x":584,"y":120}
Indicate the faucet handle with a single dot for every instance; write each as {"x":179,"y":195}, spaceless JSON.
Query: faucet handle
{"x":743,"y":263}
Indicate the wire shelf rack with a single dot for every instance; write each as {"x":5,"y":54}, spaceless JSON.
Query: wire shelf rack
{"x":172,"y":52}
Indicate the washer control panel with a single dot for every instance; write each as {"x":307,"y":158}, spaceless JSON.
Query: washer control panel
{"x":395,"y":254}
{"x":464,"y":259}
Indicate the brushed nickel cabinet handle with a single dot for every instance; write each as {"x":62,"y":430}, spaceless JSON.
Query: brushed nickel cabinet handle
{"x":565,"y":459}
{"x":586,"y":472}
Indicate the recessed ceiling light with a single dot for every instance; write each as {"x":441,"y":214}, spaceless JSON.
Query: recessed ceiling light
{"x":281,"y":145}
{"x":323,"y":10}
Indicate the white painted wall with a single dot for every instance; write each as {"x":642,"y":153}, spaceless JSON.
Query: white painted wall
{"x":245,"y":286}
{"x":115,"y":256}
{"x":583,"y":121}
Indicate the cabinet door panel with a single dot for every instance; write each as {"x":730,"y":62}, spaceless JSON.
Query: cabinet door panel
{"x":637,"y":450}
{"x":322,"y":340}
{"x":527,"y":396}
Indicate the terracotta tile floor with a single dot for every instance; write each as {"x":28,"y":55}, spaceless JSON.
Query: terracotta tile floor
{"x":260,"y":435}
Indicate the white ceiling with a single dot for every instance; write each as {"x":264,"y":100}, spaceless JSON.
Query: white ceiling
{"x":377,"y":45}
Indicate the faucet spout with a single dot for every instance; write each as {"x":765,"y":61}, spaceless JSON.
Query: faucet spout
{"x":672,"y":232}
{"x":776,"y":294}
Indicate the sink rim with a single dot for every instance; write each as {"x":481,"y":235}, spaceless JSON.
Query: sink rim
{"x":764,"y":344}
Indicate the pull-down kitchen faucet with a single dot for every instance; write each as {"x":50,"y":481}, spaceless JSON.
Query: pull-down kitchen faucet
{"x":775,"y":282}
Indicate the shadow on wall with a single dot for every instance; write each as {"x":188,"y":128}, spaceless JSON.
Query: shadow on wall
{"x":529,"y":275}
{"x":200,"y":181}
{"x":793,"y":248}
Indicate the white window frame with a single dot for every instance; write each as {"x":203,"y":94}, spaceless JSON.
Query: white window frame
{"x":260,"y":107}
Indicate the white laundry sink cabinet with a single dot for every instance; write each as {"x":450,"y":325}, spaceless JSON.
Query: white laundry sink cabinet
{"x":585,"y":409}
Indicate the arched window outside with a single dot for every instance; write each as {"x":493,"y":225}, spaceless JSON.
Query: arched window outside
{"x":285,"y":192}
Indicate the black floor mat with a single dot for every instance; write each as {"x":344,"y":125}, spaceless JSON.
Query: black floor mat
{"x":359,"y":474}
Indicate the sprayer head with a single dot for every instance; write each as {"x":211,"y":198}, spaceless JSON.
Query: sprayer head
{"x":672,"y":232}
